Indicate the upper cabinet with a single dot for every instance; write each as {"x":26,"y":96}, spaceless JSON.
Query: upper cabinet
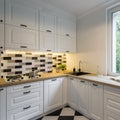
{"x":20,"y":15}
{"x":47,"y":22}
{"x":1,"y":11}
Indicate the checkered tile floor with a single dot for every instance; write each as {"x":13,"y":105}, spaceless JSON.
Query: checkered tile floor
{"x":66,"y":113}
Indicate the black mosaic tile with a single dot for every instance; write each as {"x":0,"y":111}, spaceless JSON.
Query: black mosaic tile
{"x":64,"y":61}
{"x":54,"y":58}
{"x":2,"y":52}
{"x":59,"y":56}
{"x":54,"y":65}
{"x":43,"y":65}
{"x":34,"y":58}
{"x":20,"y":66}
{"x":42,"y":70}
{"x":1,"y":76}
{"x":78,"y":114}
{"x":59,"y":63}
{"x":49,"y":62}
{"x":18,"y":72}
{"x":42,"y":55}
{"x":7,"y":58}
{"x":2,"y":64}
{"x":7,"y":70}
{"x":18,"y":55}
{"x":28,"y":63}
{"x":42,"y":60}
{"x":34,"y":68}
{"x":49,"y":71}
{"x":56,"y":113}
{"x":59,"y":60}
{"x":66,"y":118}
{"x":18,"y":61}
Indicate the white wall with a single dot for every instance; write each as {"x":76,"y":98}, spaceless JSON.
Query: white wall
{"x":91,"y":42}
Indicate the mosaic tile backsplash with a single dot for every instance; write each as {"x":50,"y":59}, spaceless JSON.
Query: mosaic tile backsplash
{"x":20,"y":63}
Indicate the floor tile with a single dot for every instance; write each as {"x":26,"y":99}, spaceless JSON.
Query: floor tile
{"x":67,"y":112}
{"x":80,"y":118}
{"x":56,"y":113}
{"x":66,"y":118}
{"x":50,"y":118}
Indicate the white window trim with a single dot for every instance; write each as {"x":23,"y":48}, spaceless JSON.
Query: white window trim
{"x":109,"y":36}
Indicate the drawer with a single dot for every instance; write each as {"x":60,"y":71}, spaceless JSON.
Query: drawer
{"x":25,"y":112}
{"x":18,"y":99}
{"x":23,"y":87}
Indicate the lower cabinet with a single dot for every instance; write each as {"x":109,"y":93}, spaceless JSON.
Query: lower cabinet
{"x":111,"y":103}
{"x":72,"y":92}
{"x":83,"y":96}
{"x":96,"y":101}
{"x":52,"y":94}
{"x":3,"y":104}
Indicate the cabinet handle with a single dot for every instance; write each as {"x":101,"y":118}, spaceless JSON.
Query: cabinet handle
{"x":23,"y":46}
{"x":67,"y":51}
{"x":1,"y":47}
{"x":95,"y":84}
{"x":53,"y":79}
{"x":25,"y":108}
{"x":1,"y":89}
{"x":26,"y":92}
{"x":67,"y":35}
{"x":48,"y":50}
{"x":22,"y":25}
{"x":48,"y":31}
{"x":27,"y":86}
{"x":1,"y":21}
{"x":82,"y":81}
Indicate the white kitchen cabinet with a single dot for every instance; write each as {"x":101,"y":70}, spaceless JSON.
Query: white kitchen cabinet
{"x":47,"y":22}
{"x":21,"y":15}
{"x":83,"y":94}
{"x":96,"y":101}
{"x":1,"y":36}
{"x":66,"y":44}
{"x":1,"y":11}
{"x":64,"y":90}
{"x":72,"y":92}
{"x":3,"y":104}
{"x":66,"y":27}
{"x":47,"y":42}
{"x":52,"y":94}
{"x":21,"y":39}
{"x":111,"y":103}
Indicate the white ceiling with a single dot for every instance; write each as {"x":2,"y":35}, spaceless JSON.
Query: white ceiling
{"x":76,"y":6}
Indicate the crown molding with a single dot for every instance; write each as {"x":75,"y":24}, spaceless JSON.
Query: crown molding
{"x":99,"y":6}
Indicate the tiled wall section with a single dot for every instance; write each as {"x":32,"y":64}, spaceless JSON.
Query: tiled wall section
{"x":20,"y":63}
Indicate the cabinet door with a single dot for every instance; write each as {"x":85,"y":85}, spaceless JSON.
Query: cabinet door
{"x":66,"y":27}
{"x":83,"y":96}
{"x":21,"y":39}
{"x":72,"y":90}
{"x":2,"y":104}
{"x":47,"y":22}
{"x":64,"y":90}
{"x":52,"y":94}
{"x":96,"y":101}
{"x":1,"y":36}
{"x":1,"y":11}
{"x":47,"y":42}
{"x":21,"y":15}
{"x":66,"y":44}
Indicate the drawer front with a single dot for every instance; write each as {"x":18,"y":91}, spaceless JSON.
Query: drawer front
{"x":25,"y":112}
{"x":18,"y":99}
{"x":23,"y":87}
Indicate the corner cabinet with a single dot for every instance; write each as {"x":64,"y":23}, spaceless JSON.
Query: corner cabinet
{"x":1,"y":11}
{"x":3,"y":113}
{"x":1,"y":37}
{"x":52,"y":94}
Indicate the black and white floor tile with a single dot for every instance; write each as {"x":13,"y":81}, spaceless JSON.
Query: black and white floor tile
{"x":66,"y":113}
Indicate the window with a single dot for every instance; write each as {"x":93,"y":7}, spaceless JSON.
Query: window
{"x":113,"y":37}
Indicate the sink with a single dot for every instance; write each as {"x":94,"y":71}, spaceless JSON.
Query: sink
{"x":79,"y":73}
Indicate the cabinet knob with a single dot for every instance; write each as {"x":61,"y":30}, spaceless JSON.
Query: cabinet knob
{"x":26,"y":92}
{"x":48,"y":31}
{"x":54,"y":79}
{"x":1,"y":47}
{"x":1,"y":21}
{"x":67,"y":51}
{"x":25,"y":108}
{"x":95,"y":84}
{"x":82,"y":81}
{"x":1,"y":89}
{"x":23,"y":46}
{"x":67,"y":35}
{"x":27,"y":86}
{"x":48,"y":50}
{"x":22,"y":25}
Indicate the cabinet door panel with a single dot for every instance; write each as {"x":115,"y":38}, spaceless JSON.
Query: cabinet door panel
{"x":83,"y":96}
{"x":22,"y":39}
{"x":1,"y":11}
{"x":21,"y":15}
{"x":2,"y":36}
{"x":47,"y":42}
{"x":52,"y":94}
{"x":96,"y":101}
{"x":2,"y":104}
